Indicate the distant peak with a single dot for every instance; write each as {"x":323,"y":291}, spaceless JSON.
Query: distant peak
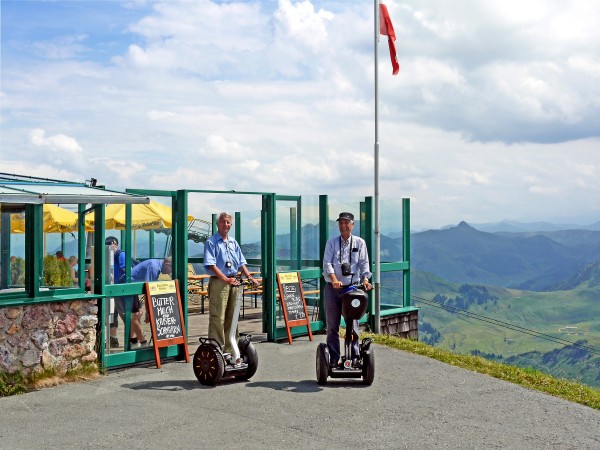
{"x":464,"y":224}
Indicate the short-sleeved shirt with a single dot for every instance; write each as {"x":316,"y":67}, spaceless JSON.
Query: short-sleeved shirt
{"x":354,"y":251}
{"x":217,"y":252}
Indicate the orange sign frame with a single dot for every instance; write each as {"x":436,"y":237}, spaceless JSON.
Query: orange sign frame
{"x":167,"y":292}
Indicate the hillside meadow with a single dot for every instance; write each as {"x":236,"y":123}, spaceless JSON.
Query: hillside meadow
{"x":522,"y":328}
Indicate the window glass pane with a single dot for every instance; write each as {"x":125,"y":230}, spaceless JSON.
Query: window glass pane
{"x":310,"y":230}
{"x":60,"y":267}
{"x":12,"y":248}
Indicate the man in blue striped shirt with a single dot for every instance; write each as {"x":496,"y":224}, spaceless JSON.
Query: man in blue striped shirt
{"x":344,"y":259}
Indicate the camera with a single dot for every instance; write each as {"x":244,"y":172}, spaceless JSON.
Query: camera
{"x":346,"y":270}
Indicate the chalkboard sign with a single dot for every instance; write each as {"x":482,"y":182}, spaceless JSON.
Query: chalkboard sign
{"x":292,"y":302}
{"x":163,"y":304}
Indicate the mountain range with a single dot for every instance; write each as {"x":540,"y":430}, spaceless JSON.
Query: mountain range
{"x":526,"y":260}
{"x":518,"y":297}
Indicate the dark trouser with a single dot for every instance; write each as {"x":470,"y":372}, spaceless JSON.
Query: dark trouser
{"x":122,"y":304}
{"x":333,"y":314}
{"x":119,"y":312}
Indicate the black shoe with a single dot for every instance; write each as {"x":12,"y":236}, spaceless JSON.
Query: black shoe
{"x":114,"y":342}
{"x":356,"y":362}
{"x":333,"y":365}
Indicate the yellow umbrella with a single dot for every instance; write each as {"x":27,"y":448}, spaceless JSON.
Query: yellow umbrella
{"x":143,"y":216}
{"x":56,"y":220}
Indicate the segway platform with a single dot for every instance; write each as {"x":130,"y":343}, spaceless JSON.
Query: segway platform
{"x":211,"y":365}
{"x":354,"y":306}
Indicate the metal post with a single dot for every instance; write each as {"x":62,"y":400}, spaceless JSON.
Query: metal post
{"x":377,"y":282}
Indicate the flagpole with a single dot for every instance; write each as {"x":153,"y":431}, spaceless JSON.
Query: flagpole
{"x":376,"y":157}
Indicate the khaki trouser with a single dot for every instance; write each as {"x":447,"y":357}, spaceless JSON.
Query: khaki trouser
{"x":222,"y":301}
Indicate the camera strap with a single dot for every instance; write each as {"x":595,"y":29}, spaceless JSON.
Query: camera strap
{"x":229,"y":255}
{"x":349,"y":250}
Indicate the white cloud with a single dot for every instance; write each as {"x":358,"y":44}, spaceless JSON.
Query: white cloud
{"x":159,"y":115}
{"x":587,"y":65}
{"x":61,"y":47}
{"x":57,"y":142}
{"x":298,"y":24}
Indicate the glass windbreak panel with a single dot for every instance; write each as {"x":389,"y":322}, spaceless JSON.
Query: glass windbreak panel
{"x":153,"y":239}
{"x":60,"y":264}
{"x":391,"y":249}
{"x":392,"y":288}
{"x":202,"y":207}
{"x":12,"y":248}
{"x":151,"y":226}
{"x":310,"y":232}
{"x":287,"y":233}
{"x":128,"y":312}
{"x":250,"y":242}
{"x":345,"y":204}
{"x":390,"y":222}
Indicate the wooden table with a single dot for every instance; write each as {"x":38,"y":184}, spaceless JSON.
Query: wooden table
{"x":256,"y":291}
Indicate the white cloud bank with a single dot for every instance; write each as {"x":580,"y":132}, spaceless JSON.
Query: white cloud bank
{"x":494,"y":114}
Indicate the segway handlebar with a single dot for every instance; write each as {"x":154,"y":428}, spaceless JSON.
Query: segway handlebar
{"x":245,"y":282}
{"x":353,"y":287}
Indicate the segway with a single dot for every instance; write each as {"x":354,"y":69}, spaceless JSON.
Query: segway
{"x":211,"y":364}
{"x":354,"y":306}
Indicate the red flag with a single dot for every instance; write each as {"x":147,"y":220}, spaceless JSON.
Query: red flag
{"x":386,"y":27}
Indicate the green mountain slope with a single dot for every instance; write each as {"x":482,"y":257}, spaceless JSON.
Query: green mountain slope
{"x":587,"y":277}
{"x":527,"y":328}
{"x":571,"y":362}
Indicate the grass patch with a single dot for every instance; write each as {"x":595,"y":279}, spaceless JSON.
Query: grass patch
{"x":12,"y":384}
{"x":529,"y":378}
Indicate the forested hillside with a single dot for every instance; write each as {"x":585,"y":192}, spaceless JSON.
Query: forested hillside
{"x":556,"y":332}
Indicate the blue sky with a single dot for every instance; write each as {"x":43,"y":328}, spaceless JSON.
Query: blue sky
{"x":495,"y":113}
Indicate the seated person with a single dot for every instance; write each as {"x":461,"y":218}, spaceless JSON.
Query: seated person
{"x":72,"y":264}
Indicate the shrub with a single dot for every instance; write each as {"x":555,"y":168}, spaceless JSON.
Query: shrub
{"x":11,"y":384}
{"x":56,"y":271}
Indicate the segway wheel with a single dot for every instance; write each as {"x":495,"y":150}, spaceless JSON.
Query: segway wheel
{"x":250,"y":357}
{"x":368,"y":370}
{"x":208,"y":365}
{"x":322,"y":364}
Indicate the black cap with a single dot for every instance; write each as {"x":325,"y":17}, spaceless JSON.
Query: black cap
{"x":345,"y":216}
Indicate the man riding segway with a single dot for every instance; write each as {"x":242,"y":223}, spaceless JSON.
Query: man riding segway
{"x":221,"y":354}
{"x":345,"y":257}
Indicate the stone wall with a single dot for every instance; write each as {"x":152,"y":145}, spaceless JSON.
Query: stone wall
{"x":57,"y":336}
{"x":405,"y":325}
